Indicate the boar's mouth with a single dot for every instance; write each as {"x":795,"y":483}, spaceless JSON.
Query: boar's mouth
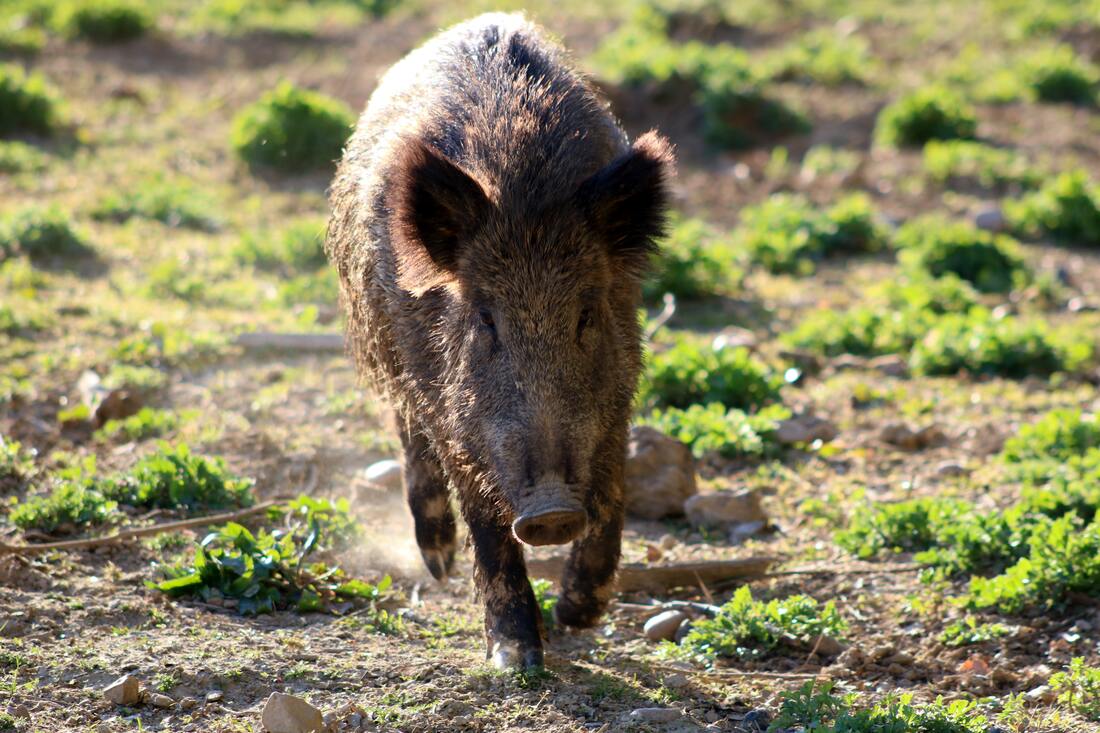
{"x":549,"y":514}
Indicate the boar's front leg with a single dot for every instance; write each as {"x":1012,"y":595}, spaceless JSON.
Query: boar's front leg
{"x":429,"y":502}
{"x":513,"y":623}
{"x":588,"y":581}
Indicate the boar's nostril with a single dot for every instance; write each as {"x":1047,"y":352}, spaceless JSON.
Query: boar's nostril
{"x":550,"y":528}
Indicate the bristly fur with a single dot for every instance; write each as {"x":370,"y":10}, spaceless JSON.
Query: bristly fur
{"x":490,"y":226}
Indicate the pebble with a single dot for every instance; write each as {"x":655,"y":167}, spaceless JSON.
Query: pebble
{"x":158,"y":700}
{"x":990,"y":218}
{"x":386,"y":474}
{"x":676,"y":681}
{"x":667,"y":542}
{"x":656,"y":715}
{"x":659,"y":474}
{"x":290,"y":714}
{"x":1042,"y":693}
{"x":214,"y":696}
{"x":19,"y":711}
{"x":724,"y":507}
{"x":805,"y":429}
{"x":188,"y":703}
{"x":663,"y":626}
{"x":905,"y":437}
{"x":890,"y":365}
{"x":126,"y":690}
{"x":951,"y":469}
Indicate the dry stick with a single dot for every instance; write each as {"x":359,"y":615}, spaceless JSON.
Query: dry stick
{"x":129,"y":534}
{"x":725,"y":673}
{"x":660,"y":578}
{"x":848,"y":571}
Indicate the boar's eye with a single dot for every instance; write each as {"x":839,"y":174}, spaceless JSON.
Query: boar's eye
{"x":585,"y":321}
{"x":487,"y":319}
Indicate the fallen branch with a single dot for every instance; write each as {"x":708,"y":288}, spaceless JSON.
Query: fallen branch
{"x":662,"y":578}
{"x":881,"y":570}
{"x":129,"y":534}
{"x":291,"y":341}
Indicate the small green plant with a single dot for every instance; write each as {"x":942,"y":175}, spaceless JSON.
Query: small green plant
{"x":745,"y":628}
{"x":295,"y":248}
{"x":1067,"y":207}
{"x":992,"y":264}
{"x":967,"y":631}
{"x":1058,"y":74}
{"x":142,"y":380}
{"x":824,"y":160}
{"x":786,"y":233}
{"x":292,"y":130}
{"x":1079,"y":688}
{"x":16,"y":38}
{"x":147,"y":423}
{"x":16,"y":463}
{"x":965,"y":161}
{"x":173,"y":477}
{"x":689,"y":373}
{"x":1060,"y":435}
{"x":41,"y":233}
{"x":172,"y":202}
{"x":545,"y":600}
{"x":176,"y":278}
{"x":728,"y":432}
{"x":823,"y":56}
{"x":73,"y":502}
{"x":264,"y":571}
{"x":27,"y":103}
{"x":931,"y":113}
{"x":692,"y":262}
{"x":816,"y":709}
{"x":17,"y":157}
{"x":102,"y":21}
{"x":162,"y":344}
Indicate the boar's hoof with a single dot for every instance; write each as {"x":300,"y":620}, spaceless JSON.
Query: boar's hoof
{"x":510,"y":656}
{"x":439,"y":562}
{"x":555,"y":527}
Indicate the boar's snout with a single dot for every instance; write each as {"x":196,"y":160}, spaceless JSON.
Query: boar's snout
{"x":549,"y":514}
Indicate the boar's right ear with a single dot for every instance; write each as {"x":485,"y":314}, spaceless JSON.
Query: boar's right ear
{"x":627,"y":200}
{"x":434,"y":206}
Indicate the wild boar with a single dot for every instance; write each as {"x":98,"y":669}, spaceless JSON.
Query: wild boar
{"x":491,"y":225}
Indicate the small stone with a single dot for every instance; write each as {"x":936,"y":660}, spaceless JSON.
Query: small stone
{"x":827,"y":646}
{"x":1042,"y":693}
{"x":355,"y":720}
{"x":290,"y":714}
{"x":905,"y":437}
{"x":663,"y":626}
{"x":805,"y":429}
{"x":19,"y":711}
{"x":756,"y":720}
{"x":660,"y":474}
{"x":990,"y":218}
{"x":890,"y":365}
{"x":667,"y":542}
{"x":951,"y":469}
{"x":848,"y":362}
{"x":158,"y":700}
{"x":126,"y":690}
{"x":656,"y":715}
{"x":723,"y":508}
{"x":214,"y":696}
{"x":188,"y":703}
{"x":386,"y":474}
{"x":676,"y":681}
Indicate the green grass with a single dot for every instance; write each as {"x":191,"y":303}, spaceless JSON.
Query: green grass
{"x":787,"y":234}
{"x":16,"y":463}
{"x":1058,"y":74}
{"x":1078,"y":688}
{"x":967,"y":631}
{"x":728,"y":432}
{"x":292,"y":130}
{"x":545,"y":600}
{"x":687,"y":374}
{"x":938,"y":247}
{"x":1066,"y":207}
{"x":27,"y":103}
{"x":745,"y":628}
{"x":147,"y":423}
{"x":966,"y":161}
{"x":693,"y":262}
{"x":17,"y":157}
{"x":73,"y":502}
{"x":103,"y":21}
{"x":174,"y":202}
{"x":41,"y":233}
{"x":823,"y":56}
{"x":931,"y":113}
{"x":293,"y":248}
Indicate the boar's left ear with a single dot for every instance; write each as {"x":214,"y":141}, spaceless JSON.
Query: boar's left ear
{"x":434,"y":206}
{"x":626,"y":201}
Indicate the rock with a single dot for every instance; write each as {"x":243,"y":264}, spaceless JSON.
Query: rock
{"x":676,"y":680}
{"x":902,"y":436}
{"x":214,"y":696}
{"x":19,"y":711}
{"x":724,"y":507}
{"x":667,"y":542}
{"x":951,"y":469}
{"x":188,"y":703}
{"x":290,"y":714}
{"x":386,"y":474}
{"x":891,"y":365}
{"x":848,"y":362}
{"x":107,"y":404}
{"x":827,"y":646}
{"x":685,"y":629}
{"x":990,"y":218}
{"x":656,"y":715}
{"x":157,"y":700}
{"x":663,"y":626}
{"x":805,"y":429}
{"x":1042,"y":693}
{"x":660,"y":474}
{"x":126,"y":690}
{"x":756,"y":720}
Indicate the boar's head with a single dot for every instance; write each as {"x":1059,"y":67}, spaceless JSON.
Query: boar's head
{"x":536,"y":336}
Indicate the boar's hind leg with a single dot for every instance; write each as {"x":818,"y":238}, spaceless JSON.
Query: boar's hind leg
{"x":589,"y":578}
{"x":513,"y":622}
{"x":426,"y":491}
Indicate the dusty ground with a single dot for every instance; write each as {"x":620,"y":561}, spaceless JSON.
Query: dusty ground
{"x":78,"y":620}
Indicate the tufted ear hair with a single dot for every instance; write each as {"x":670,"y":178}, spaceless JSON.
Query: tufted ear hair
{"x":434,"y":207}
{"x":626,"y":202}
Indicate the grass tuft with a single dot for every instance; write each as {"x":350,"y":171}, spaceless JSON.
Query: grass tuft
{"x":292,"y":130}
{"x":931,"y":113}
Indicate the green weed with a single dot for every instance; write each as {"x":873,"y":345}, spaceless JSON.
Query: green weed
{"x":295,"y":248}
{"x":965,"y":161}
{"x":544,"y":599}
{"x":27,"y":103}
{"x":1067,"y":207}
{"x":1058,"y":74}
{"x":1079,"y":688}
{"x":173,"y":477}
{"x":728,"y":432}
{"x":745,"y":628}
{"x":1059,"y":435}
{"x":932,"y":245}
{"x":292,"y":130}
{"x":687,"y":374}
{"x":147,"y":423}
{"x":175,"y":203}
{"x":17,"y":157}
{"x":102,"y":21}
{"x":16,"y":463}
{"x":931,"y":113}
{"x":823,"y":56}
{"x":967,"y":631}
{"x":693,"y":262}
{"x":73,"y":502}
{"x":41,"y":233}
